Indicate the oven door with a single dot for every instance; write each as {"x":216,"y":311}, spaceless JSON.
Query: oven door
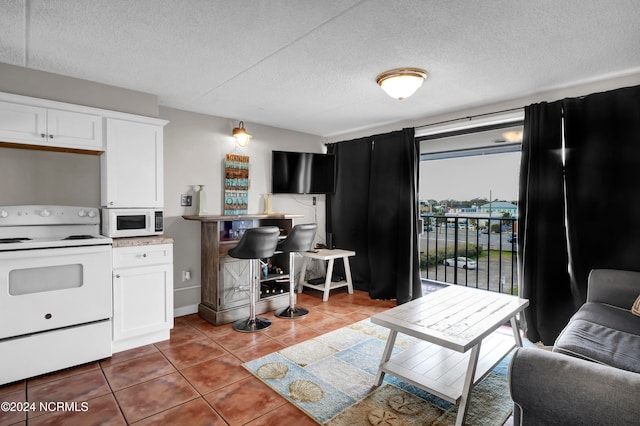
{"x":46,"y":289}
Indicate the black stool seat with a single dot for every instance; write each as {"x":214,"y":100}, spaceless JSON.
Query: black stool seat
{"x":255,"y":243}
{"x":299,"y":239}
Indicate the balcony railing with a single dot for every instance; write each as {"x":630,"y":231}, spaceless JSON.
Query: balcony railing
{"x":490,"y":242}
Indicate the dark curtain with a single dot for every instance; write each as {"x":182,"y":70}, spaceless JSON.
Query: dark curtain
{"x":346,"y":215}
{"x":597,"y":198}
{"x":542,"y":248}
{"x":602,"y":137}
{"x":375,"y":212}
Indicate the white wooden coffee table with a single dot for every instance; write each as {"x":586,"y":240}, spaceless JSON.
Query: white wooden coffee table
{"x":459,"y":347}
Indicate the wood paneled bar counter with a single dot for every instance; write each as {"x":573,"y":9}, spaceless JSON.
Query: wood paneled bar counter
{"x":225,"y":280}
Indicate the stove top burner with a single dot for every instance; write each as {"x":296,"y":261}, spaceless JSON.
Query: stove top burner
{"x":42,"y":227}
{"x":12,"y":240}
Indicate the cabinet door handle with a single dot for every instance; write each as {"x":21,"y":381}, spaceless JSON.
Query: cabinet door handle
{"x":42,"y":135}
{"x":50,"y":136}
{"x":117,"y":275}
{"x":144,"y":254}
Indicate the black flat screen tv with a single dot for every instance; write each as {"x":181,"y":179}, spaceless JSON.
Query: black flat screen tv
{"x":303,"y":173}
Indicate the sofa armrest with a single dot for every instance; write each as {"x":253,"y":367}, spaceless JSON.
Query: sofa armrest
{"x":613,"y":287}
{"x":555,"y":389}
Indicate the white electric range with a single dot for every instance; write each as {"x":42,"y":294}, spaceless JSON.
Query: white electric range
{"x":55,"y":289}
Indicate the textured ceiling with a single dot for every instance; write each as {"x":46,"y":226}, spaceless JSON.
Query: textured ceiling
{"x":310,"y":65}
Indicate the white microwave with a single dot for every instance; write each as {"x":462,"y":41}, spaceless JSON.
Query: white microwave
{"x":118,"y":223}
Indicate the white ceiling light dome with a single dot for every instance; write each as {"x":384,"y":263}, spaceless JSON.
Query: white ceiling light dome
{"x":400,"y":83}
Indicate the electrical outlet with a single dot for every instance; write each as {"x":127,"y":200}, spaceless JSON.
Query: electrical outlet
{"x":186,"y":200}
{"x":313,"y":200}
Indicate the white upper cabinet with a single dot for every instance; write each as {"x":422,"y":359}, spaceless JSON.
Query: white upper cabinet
{"x":75,"y":129}
{"x":132,"y":165}
{"x":48,"y":127}
{"x":22,"y":123}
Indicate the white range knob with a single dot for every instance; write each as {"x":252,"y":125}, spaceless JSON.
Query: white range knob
{"x":82,"y":213}
{"x":4,"y":213}
{"x":45,"y":213}
{"x":92,"y":213}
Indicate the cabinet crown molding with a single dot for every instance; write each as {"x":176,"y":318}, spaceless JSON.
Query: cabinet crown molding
{"x":105,"y":113}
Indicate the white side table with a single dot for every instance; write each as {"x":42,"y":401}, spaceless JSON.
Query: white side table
{"x":331,"y":256}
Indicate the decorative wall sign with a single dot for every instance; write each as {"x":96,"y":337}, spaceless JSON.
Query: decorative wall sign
{"x":236,"y":184}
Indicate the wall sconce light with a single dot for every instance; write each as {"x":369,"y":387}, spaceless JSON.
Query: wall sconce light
{"x":400,"y":83}
{"x":241,"y":135}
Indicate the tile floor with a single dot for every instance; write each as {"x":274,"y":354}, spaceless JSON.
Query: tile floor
{"x":195,"y":378}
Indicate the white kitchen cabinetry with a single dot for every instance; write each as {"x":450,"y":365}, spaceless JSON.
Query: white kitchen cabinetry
{"x":49,"y":127}
{"x":142,"y":295}
{"x":132,"y":165}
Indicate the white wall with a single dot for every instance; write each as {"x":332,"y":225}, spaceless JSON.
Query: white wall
{"x":42,"y":177}
{"x":195,"y":146}
{"x":56,"y":87}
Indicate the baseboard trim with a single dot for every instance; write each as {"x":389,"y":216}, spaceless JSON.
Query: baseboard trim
{"x":189,"y":297}
{"x":185,"y":310}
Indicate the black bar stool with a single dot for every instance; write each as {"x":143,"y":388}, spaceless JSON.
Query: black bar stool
{"x":300,"y":239}
{"x":255,"y":243}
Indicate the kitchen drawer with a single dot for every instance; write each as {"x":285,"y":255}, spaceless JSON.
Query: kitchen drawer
{"x":125,"y":257}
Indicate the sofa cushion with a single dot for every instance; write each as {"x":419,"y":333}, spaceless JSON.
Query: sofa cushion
{"x":600,"y":343}
{"x":609,"y":316}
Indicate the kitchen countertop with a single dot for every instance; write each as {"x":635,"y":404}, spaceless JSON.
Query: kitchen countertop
{"x":141,"y":241}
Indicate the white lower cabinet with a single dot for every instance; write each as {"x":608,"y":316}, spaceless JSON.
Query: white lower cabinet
{"x":142,"y":295}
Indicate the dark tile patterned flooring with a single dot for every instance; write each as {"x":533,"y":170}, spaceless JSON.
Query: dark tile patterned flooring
{"x":195,"y":378}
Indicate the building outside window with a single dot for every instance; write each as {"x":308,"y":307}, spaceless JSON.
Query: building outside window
{"x":468,"y":203}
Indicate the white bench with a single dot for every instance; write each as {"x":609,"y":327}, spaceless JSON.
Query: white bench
{"x":331,"y":256}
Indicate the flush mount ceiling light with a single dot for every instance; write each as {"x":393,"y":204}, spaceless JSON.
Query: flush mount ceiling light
{"x":241,"y":135}
{"x":401,"y":83}
{"x":513,"y":136}
{"x":510,"y":136}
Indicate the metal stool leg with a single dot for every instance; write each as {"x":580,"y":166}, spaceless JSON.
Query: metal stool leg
{"x":252,"y":323}
{"x":292,"y":311}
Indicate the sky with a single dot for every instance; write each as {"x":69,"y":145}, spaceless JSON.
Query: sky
{"x":471,"y":177}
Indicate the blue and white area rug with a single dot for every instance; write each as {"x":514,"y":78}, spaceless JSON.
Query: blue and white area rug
{"x":331,"y":378}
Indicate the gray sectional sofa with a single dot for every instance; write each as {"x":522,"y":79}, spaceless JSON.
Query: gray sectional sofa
{"x":592,"y":375}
